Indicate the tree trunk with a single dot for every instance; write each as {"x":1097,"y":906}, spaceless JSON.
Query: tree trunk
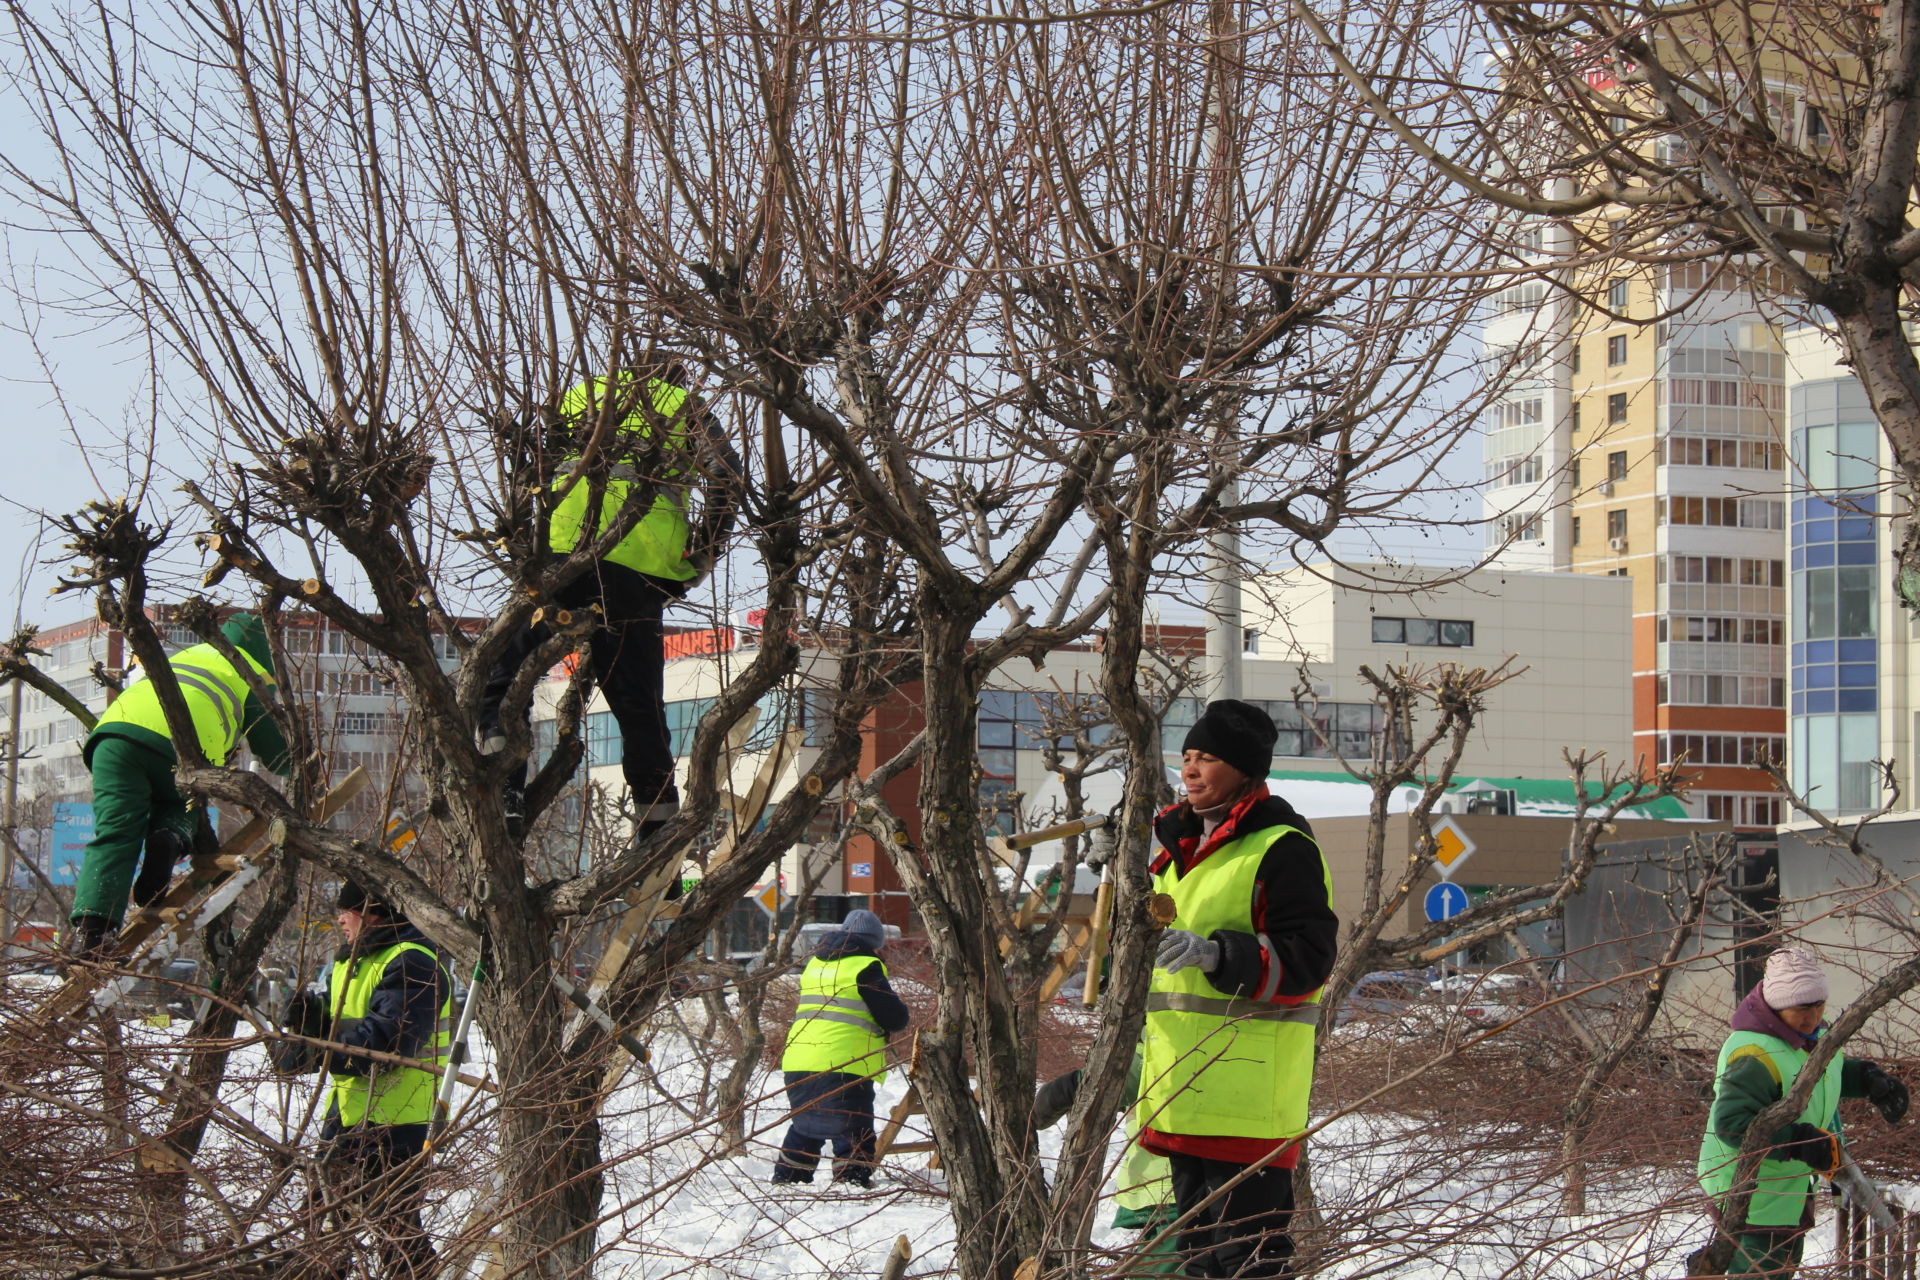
{"x":999,"y":1195}
{"x":549,"y":1151}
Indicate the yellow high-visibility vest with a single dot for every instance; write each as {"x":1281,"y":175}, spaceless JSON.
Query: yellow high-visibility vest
{"x":657,"y":546}
{"x":1780,"y":1198}
{"x":833,"y":1030}
{"x":1219,"y":1065}
{"x":215,"y":694}
{"x":385,"y":1094}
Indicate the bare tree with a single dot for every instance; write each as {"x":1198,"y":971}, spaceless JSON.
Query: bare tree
{"x":1727,"y":145}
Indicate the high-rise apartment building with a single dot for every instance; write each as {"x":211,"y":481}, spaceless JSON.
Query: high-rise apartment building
{"x":1641,"y":435}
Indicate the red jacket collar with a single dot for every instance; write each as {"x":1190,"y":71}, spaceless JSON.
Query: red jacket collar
{"x":1189,"y":845}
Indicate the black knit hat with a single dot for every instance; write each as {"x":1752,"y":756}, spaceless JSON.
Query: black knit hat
{"x":1237,"y":732}
{"x":354,"y":896}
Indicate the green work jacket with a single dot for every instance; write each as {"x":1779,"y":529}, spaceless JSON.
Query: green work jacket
{"x":1781,"y":1197}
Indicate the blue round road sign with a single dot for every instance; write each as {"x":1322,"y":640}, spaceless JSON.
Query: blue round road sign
{"x":1445,"y":901}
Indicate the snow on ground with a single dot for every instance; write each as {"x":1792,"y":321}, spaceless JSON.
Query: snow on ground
{"x":677,"y":1208}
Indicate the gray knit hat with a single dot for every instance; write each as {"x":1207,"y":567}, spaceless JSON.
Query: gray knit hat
{"x":864,"y":926}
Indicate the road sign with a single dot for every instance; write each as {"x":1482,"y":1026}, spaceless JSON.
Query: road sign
{"x":769,"y":899}
{"x":1450,"y":846}
{"x":1445,"y":901}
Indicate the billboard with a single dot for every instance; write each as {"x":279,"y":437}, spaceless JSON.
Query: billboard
{"x":67,"y":844}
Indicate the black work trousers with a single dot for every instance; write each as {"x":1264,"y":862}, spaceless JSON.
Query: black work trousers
{"x":372,"y":1187}
{"x":1244,"y":1231}
{"x":629,"y":665}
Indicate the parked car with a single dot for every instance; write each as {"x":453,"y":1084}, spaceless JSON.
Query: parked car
{"x":1487,"y":998}
{"x":1386,"y":996}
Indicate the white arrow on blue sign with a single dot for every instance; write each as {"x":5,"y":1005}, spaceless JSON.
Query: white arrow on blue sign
{"x":1445,"y":901}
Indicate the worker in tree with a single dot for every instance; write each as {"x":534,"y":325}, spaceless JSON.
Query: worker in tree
{"x":1235,"y":996}
{"x":836,"y":1053}
{"x":130,"y":755}
{"x":663,"y":443}
{"x":386,"y":992}
{"x":1774,"y":1031}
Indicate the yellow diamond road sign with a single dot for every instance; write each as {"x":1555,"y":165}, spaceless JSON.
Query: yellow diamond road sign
{"x":769,"y":899}
{"x":1450,"y":845}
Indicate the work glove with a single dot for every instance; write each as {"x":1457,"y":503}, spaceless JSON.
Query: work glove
{"x":1182,"y":947}
{"x":1813,"y":1146}
{"x":701,"y":562}
{"x":1885,"y":1092}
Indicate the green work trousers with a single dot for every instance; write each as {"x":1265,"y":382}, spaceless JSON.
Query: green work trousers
{"x":133,"y":794}
{"x":1766,"y":1254}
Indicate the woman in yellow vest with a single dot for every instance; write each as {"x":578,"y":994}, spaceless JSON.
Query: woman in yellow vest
{"x":836,"y":1053}
{"x":1774,"y":1029}
{"x":388,"y":992}
{"x":663,"y":444}
{"x":1235,"y":996}
{"x":131,"y":759}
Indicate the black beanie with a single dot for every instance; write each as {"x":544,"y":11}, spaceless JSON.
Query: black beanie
{"x":353,"y":896}
{"x":1237,"y":732}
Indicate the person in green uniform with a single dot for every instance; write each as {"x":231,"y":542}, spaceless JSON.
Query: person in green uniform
{"x":836,"y":1054}
{"x":1774,"y":1030}
{"x":130,"y":755}
{"x":386,"y":991}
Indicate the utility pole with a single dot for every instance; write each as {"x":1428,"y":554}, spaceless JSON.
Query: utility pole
{"x":1225,"y":630}
{"x":12,"y":839}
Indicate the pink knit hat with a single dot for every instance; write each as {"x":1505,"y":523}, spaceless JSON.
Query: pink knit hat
{"x":1793,"y":977}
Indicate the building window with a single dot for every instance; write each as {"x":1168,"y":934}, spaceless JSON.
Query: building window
{"x":1617,"y":465}
{"x":1312,"y":732}
{"x":1617,"y":296}
{"x":1453,"y":633}
{"x":1250,"y":640}
{"x":1573,"y":360}
{"x":1574,"y":527}
{"x":1741,"y":808}
{"x":1617,"y":349}
{"x":1746,"y":750}
{"x":1573,"y":421}
{"x":1617,"y":408}
{"x":1617,"y":523}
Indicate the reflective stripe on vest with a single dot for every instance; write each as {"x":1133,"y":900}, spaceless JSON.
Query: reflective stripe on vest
{"x":386,"y":1094}
{"x":215,"y":694}
{"x":1233,"y":1007}
{"x":1219,"y":1065}
{"x":657,"y":545}
{"x":1780,"y":1198}
{"x":833,"y":1030}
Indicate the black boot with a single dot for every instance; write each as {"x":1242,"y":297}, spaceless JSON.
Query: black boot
{"x":88,"y":939}
{"x":164,"y":850}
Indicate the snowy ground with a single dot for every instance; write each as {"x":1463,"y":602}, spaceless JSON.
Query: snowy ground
{"x":675,"y":1209}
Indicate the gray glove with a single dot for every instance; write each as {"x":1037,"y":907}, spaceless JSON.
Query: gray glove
{"x":1181,"y":947}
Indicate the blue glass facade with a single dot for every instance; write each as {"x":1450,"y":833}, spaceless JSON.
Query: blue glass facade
{"x":1834,"y":662}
